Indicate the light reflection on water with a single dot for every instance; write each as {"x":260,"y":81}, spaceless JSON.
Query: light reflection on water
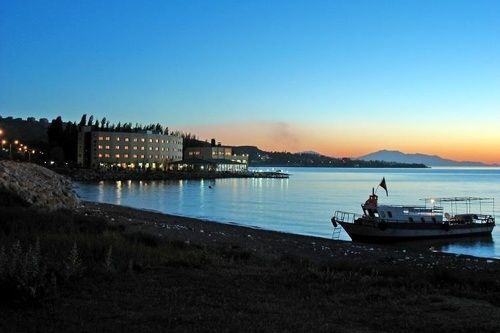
{"x":304,"y":203}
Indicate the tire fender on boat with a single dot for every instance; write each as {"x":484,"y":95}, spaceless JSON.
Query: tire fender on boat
{"x":446,"y":226}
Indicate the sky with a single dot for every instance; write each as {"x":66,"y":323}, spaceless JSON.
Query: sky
{"x":343,"y":78}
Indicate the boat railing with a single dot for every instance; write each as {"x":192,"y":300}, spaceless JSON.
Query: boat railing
{"x":472,"y":218}
{"x":346,"y":217}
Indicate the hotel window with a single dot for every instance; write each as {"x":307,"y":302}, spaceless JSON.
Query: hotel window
{"x":167,"y":141}
{"x":142,"y":148}
{"x":100,"y":155}
{"x":150,"y":148}
{"x":108,"y":138}
{"x":156,"y":156}
{"x":126,"y":139}
{"x":162,"y":149}
{"x":107,"y":147}
{"x":150,"y":156}
{"x":117,"y":138}
{"x":142,"y":156}
{"x":99,"y":147}
{"x":125,"y":155}
{"x":106,"y":155}
{"x":134,"y":156}
{"x":117,"y":155}
{"x":156,"y":140}
{"x":125,"y":147}
{"x":150,"y":140}
{"x":117,"y":147}
{"x":101,"y":138}
{"x":135,"y":139}
{"x":142,"y":139}
{"x":162,"y":141}
{"x":134,"y":147}
{"x":156,"y":148}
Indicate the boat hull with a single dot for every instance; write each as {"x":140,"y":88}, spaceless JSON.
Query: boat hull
{"x":395,"y":232}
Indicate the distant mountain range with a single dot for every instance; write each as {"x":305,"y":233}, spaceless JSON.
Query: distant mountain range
{"x":429,"y":160}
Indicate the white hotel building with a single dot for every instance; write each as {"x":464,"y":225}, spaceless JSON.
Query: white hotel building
{"x":147,"y":149}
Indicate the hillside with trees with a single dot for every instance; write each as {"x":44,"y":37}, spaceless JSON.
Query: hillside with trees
{"x":259,"y":158}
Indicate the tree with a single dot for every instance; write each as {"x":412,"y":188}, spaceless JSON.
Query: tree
{"x":103,"y":123}
{"x":83,"y":121}
{"x":91,"y":121}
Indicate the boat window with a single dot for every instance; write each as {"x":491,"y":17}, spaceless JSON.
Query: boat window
{"x":376,"y":214}
{"x":422,"y":219}
{"x":389,"y":214}
{"x":410,"y":219}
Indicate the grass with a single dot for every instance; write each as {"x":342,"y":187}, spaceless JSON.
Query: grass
{"x":63,"y":271}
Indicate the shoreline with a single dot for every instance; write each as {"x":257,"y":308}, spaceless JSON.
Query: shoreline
{"x":274,"y":244}
{"x":90,"y":175}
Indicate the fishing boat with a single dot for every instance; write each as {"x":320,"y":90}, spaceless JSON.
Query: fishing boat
{"x":463,"y":217}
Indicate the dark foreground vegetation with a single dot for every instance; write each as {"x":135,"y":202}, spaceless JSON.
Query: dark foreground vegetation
{"x":80,"y":271}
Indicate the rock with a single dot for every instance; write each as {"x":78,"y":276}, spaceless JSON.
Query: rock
{"x":31,"y":185}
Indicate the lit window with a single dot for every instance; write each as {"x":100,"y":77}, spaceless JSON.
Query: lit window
{"x":156,"y":148}
{"x":101,"y":138}
{"x":117,"y":138}
{"x":142,"y":139}
{"x":162,"y":149}
{"x":156,"y":140}
{"x":162,"y":141}
{"x":100,"y":155}
{"x":150,"y":156}
{"x":167,"y":141}
{"x":134,"y":147}
{"x":150,"y":148}
{"x":117,"y":155}
{"x":99,"y":147}
{"x":135,"y":139}
{"x":156,"y":156}
{"x":125,"y":155}
{"x":150,"y":140}
{"x":142,"y":148}
{"x":142,"y":156}
{"x":106,"y":155}
{"x":125,"y":147}
{"x":126,"y":139}
{"x":117,"y":147}
{"x":108,"y":138}
{"x":134,"y":156}
{"x":107,"y":147}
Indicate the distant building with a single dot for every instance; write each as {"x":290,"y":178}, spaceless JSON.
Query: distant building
{"x":32,"y":119}
{"x":146,"y":149}
{"x":222,"y":156}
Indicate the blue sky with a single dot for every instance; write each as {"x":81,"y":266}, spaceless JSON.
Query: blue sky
{"x":198,"y":65}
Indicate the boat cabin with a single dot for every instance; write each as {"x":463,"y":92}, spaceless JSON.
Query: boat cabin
{"x":395,"y":213}
{"x":411,"y":214}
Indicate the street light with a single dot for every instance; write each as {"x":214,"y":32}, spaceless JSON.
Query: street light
{"x":10,"y":147}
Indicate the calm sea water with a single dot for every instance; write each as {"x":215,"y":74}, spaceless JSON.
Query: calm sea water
{"x":304,"y":203}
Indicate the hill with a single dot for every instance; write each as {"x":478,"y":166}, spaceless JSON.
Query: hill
{"x":260,"y":157}
{"x":430,"y":160}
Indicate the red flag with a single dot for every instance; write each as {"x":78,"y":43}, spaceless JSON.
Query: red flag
{"x":384,"y":186}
